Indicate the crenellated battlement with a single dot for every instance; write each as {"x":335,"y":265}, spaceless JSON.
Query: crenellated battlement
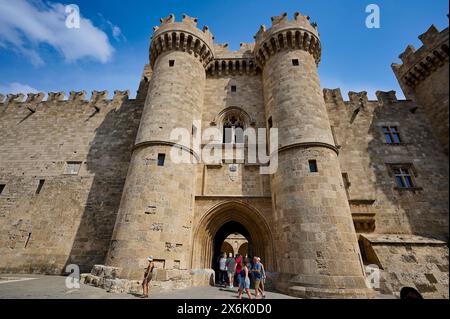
{"x":298,"y":33}
{"x":182,"y":36}
{"x":386,"y":98}
{"x":227,"y":62}
{"x":419,"y":64}
{"x":359,"y":98}
{"x":56,"y":97}
{"x":77,"y":96}
{"x":333,"y":96}
{"x":15,"y":98}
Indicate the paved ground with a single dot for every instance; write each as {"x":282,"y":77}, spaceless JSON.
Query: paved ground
{"x":53,"y":287}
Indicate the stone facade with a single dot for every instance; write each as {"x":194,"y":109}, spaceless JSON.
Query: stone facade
{"x":91,"y":182}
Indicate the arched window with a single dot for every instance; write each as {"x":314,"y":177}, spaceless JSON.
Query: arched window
{"x":233,"y":129}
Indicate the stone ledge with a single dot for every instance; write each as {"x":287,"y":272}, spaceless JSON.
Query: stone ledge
{"x":399,"y":239}
{"x":311,"y":292}
{"x":106,"y":278}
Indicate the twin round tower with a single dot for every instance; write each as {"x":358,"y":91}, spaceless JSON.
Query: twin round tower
{"x":314,"y":244}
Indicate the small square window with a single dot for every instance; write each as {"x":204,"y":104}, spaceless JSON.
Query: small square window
{"x":171,"y":63}
{"x":40,"y":186}
{"x":2,"y":188}
{"x":73,"y":168}
{"x":313,"y":166}
{"x":194,"y":130}
{"x":161,"y":159}
{"x":234,"y":88}
{"x":295,"y":62}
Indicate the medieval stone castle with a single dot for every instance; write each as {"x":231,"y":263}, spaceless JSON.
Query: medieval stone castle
{"x":359,"y":182}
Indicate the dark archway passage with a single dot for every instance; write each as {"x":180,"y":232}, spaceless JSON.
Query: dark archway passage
{"x":226,"y":230}
{"x":228,"y":218}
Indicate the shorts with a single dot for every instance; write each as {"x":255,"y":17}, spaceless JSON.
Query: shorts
{"x":257,"y":283}
{"x":230,"y":275}
{"x":244,"y":283}
{"x":148,"y":279}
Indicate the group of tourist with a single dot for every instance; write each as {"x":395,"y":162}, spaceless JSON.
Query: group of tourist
{"x":244,"y":271}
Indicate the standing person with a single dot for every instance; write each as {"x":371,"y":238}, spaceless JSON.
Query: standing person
{"x":244,"y":281}
{"x":223,"y":269}
{"x":248,"y":262}
{"x":263,"y":278}
{"x":256,"y":271}
{"x":148,"y":275}
{"x":239,"y":263}
{"x":231,"y":269}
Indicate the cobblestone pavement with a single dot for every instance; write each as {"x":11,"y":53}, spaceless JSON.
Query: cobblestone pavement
{"x":53,"y":287}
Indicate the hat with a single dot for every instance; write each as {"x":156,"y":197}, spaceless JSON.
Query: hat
{"x":150,"y":258}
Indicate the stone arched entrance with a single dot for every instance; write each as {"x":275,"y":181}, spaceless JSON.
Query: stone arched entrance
{"x":227,"y":218}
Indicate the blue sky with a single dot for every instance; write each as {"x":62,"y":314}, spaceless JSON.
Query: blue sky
{"x":38,"y":53}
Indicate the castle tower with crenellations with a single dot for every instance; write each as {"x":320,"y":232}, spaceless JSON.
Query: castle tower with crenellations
{"x":423,"y":77}
{"x":312,"y":229}
{"x":158,"y":192}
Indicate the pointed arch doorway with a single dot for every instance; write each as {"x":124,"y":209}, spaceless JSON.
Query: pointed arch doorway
{"x":227,"y":218}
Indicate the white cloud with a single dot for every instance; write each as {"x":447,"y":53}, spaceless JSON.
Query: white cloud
{"x":115,"y":30}
{"x":117,"y":33}
{"x":24,"y":25}
{"x":15,"y":88}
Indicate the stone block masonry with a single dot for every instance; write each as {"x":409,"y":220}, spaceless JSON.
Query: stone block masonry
{"x":359,"y":182}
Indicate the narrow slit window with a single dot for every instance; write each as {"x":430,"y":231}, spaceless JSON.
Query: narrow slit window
{"x":161,"y":159}
{"x":194,"y":130}
{"x":270,"y":123}
{"x":295,"y":62}
{"x":234,"y":88}
{"x":40,"y":186}
{"x":171,"y":63}
{"x":346,"y":179}
{"x":313,"y":166}
{"x":2,"y":188}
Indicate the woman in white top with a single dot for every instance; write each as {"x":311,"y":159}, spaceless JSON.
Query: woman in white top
{"x":223,"y":269}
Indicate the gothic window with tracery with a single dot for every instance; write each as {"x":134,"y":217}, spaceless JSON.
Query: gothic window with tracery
{"x":233,"y":129}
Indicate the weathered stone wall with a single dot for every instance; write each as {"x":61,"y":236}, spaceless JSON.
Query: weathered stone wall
{"x":409,"y":261}
{"x":299,"y":222}
{"x":365,"y":155}
{"x":72,"y":218}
